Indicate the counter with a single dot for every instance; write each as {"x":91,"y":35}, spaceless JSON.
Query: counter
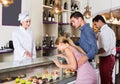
{"x":31,"y":68}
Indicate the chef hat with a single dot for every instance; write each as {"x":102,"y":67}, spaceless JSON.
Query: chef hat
{"x":23,"y":16}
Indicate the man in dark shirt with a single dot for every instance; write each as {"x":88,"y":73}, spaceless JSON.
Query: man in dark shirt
{"x":87,"y":39}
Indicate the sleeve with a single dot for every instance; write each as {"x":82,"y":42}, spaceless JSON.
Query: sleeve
{"x":105,"y":40}
{"x":34,"y":50}
{"x":33,"y":46}
{"x":17,"y":45}
{"x":92,"y":48}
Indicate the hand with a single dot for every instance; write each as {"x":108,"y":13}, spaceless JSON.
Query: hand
{"x":57,"y":63}
{"x":28,"y":54}
{"x":61,"y":55}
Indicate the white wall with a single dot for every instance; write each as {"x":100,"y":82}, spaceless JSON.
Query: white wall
{"x":100,"y":6}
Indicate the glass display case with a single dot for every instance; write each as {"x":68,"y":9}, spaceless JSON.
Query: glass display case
{"x":41,"y":70}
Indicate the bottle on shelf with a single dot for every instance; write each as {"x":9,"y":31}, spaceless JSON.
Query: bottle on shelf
{"x":72,"y":7}
{"x":53,"y":18}
{"x":64,"y":17}
{"x":49,"y":16}
{"x":65,"y":6}
{"x":51,"y":2}
{"x":46,"y":2}
{"x":44,"y":42}
{"x":51,"y":42}
{"x":76,"y":8}
{"x":44,"y":16}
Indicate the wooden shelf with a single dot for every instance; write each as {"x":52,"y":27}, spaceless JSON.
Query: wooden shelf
{"x":49,"y":48}
{"x":48,"y":22}
{"x":60,"y":23}
{"x":45,"y":6}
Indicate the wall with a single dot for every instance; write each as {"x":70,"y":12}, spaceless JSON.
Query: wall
{"x":35,"y":8}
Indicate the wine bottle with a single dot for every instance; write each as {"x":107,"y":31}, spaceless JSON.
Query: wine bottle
{"x":51,"y":42}
{"x":44,"y":42}
{"x":53,"y":18}
{"x":49,"y":16}
{"x":76,"y":7}
{"x":51,"y":2}
{"x":46,"y":2}
{"x":72,"y":7}
{"x":65,"y":5}
{"x":44,"y":16}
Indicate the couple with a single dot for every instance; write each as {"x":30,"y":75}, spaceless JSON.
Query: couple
{"x":78,"y":59}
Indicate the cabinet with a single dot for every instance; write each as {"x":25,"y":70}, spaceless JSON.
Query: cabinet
{"x":60,"y":25}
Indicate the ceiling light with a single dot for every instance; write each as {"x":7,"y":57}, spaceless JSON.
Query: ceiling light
{"x":87,"y":12}
{"x":56,"y":9}
{"x":111,"y":17}
{"x":6,"y":3}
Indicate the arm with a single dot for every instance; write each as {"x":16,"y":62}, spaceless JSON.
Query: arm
{"x":72,"y":65}
{"x":91,"y":43}
{"x":101,"y":50}
{"x":16,"y":43}
{"x":18,"y":46}
{"x":34,"y":51}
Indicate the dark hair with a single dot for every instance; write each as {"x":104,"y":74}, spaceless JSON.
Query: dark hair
{"x":97,"y":18}
{"x":77,"y":15}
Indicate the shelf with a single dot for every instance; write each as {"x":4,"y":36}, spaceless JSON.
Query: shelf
{"x":47,"y":6}
{"x":49,"y":48}
{"x":66,"y":11}
{"x":48,"y":22}
{"x":60,"y":23}
{"x":6,"y":51}
{"x":11,"y":50}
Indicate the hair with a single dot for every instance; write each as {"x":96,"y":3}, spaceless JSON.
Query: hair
{"x":77,"y":15}
{"x":63,"y":39}
{"x":97,"y":18}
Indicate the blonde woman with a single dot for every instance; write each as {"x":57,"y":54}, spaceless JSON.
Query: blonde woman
{"x":85,"y":72}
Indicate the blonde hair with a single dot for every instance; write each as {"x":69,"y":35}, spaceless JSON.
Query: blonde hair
{"x":63,"y":39}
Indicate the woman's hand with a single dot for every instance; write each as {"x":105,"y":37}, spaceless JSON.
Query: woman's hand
{"x":57,"y":63}
{"x":61,"y":55}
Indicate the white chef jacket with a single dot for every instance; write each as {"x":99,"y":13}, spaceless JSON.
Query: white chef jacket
{"x":107,"y":40}
{"x":22,"y":41}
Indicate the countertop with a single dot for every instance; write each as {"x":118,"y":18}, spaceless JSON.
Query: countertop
{"x":10,"y":66}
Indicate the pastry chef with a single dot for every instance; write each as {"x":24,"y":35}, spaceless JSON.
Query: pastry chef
{"x":23,"y":41}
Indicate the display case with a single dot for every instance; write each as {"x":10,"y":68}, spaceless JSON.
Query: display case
{"x":41,"y":69}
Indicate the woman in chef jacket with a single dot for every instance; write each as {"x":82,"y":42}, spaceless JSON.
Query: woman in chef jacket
{"x":23,"y":42}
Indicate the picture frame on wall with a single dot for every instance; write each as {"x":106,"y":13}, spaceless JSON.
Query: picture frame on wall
{"x":10,"y":14}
